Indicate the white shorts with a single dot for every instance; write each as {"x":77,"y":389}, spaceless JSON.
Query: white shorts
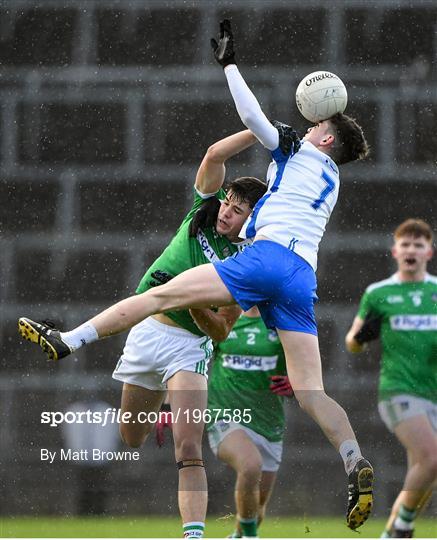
{"x":271,"y":452}
{"x":154,"y":352}
{"x":405,"y":406}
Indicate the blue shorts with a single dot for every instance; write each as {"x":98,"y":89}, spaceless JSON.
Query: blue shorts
{"x":277,"y":280}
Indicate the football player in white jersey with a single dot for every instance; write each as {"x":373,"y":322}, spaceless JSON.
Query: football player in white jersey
{"x":276,"y":273}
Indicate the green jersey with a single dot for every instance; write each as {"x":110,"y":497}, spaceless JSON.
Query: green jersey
{"x":185,"y":252}
{"x":408,"y":335}
{"x":240,"y":377}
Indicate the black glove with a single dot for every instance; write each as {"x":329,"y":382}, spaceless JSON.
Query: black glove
{"x":224,"y":49}
{"x":288,"y":138}
{"x":160,"y":278}
{"x":370,"y":329}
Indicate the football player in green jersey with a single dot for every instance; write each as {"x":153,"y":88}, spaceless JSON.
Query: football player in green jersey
{"x":167,"y":350}
{"x":245,"y":401}
{"x":403,"y":311}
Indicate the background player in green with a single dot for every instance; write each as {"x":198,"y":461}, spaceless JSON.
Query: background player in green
{"x":403,"y":309}
{"x":249,"y":376}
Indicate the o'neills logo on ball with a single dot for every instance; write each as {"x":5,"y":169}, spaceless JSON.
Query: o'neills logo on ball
{"x":320,"y":77}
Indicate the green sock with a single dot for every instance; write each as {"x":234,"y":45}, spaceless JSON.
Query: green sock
{"x":194,"y":529}
{"x":249,"y":526}
{"x":405,"y":518}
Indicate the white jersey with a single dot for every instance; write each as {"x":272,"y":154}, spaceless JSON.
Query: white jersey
{"x":302,"y":192}
{"x":302,"y":188}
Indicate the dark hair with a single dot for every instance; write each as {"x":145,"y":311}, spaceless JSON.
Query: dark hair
{"x":247,"y":189}
{"x":244,"y":189}
{"x":415,"y":228}
{"x":350,"y":143}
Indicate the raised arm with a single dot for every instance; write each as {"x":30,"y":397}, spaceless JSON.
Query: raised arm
{"x":249,"y":109}
{"x":211,"y":173}
{"x":246,"y":103}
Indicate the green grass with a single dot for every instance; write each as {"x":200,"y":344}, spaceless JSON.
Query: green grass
{"x":156,"y":527}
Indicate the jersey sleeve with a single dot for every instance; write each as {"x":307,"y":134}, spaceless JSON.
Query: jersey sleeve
{"x":249,"y":109}
{"x":367,"y":305}
{"x":203,"y":196}
{"x":199,"y":198}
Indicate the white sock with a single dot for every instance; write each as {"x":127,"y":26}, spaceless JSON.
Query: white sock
{"x":405,"y":519}
{"x":350,"y":453}
{"x":399,"y":523}
{"x":194,"y":529}
{"x":80,"y":336}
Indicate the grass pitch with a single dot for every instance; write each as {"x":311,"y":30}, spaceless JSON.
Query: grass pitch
{"x":164,"y":527}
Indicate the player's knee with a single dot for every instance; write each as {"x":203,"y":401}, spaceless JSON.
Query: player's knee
{"x":308,"y":400}
{"x":429,"y":461}
{"x":133,"y":439}
{"x":425,"y":457}
{"x":252,"y":467}
{"x":188,"y":449}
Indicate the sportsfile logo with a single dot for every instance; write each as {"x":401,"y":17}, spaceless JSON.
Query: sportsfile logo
{"x":413,"y":322}
{"x":249,"y":363}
